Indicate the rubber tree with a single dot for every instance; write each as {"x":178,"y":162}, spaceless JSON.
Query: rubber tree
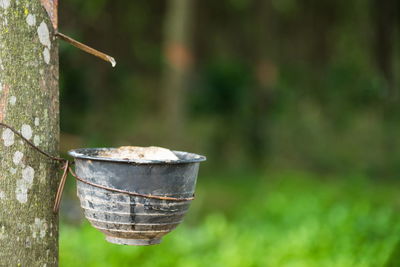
{"x":29,"y":103}
{"x":178,"y":59}
{"x":386,"y":25}
{"x":265,"y":69}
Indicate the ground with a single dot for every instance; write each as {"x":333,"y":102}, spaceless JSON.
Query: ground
{"x":265,"y":219}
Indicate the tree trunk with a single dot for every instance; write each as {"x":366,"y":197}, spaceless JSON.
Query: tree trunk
{"x":177,"y":55}
{"x":266,"y":76}
{"x":385,"y":15}
{"x":29,"y":103}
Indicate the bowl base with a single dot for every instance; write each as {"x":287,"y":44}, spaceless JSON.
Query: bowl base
{"x":132,"y":242}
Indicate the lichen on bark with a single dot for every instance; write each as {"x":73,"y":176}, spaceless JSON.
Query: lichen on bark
{"x":28,"y":102}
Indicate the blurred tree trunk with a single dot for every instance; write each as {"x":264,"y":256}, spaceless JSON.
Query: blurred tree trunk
{"x":178,"y":59}
{"x":385,"y":15}
{"x":29,"y":103}
{"x":265,"y":71}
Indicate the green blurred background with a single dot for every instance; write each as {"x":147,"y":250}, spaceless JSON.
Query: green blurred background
{"x":294,"y":103}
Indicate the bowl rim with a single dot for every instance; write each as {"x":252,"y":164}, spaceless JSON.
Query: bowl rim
{"x":83,"y":153}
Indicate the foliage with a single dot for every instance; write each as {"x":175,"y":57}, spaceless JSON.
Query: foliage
{"x":282,"y":84}
{"x":272,"y":219}
{"x":324,"y":80}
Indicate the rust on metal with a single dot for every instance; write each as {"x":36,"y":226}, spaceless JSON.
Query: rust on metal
{"x":87,"y":49}
{"x":61,"y":187}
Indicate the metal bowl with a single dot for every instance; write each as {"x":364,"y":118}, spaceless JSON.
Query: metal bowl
{"x":127,"y":218}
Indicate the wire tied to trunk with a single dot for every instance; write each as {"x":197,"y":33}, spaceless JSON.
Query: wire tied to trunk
{"x":66,"y":168}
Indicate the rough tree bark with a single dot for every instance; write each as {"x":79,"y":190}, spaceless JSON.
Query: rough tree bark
{"x":29,"y":103}
{"x":178,"y":57}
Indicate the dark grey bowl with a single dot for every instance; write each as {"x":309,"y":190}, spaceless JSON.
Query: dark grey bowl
{"x":135,"y":220}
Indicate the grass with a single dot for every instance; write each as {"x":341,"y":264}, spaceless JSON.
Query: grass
{"x":273,"y":219}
